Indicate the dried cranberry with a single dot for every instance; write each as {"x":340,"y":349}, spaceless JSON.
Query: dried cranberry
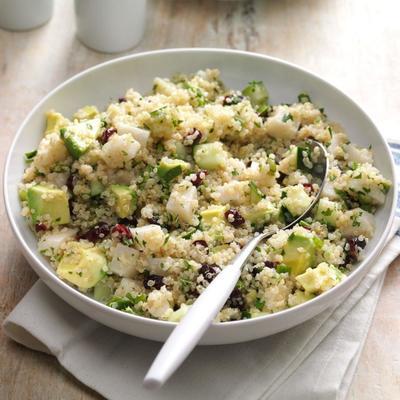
{"x":270,"y":264}
{"x":122,"y":100}
{"x":308,"y":186}
{"x":131,"y":221}
{"x":234,"y":217}
{"x":236,"y":300}
{"x":352,"y":249}
{"x":209,"y":272}
{"x":105,"y":137}
{"x":71,"y":182}
{"x":153,"y":220}
{"x":153,"y":281}
{"x":281,"y":177}
{"x":40,"y":227}
{"x":231,"y":100}
{"x":98,"y":232}
{"x":198,"y":179}
{"x":122,"y":231}
{"x":71,"y":206}
{"x":193,"y":137}
{"x":201,"y":243}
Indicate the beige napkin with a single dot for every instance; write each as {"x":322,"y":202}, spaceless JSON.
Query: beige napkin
{"x":315,"y":360}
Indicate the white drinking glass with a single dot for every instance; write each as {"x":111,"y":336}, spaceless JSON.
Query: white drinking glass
{"x":110,"y":26}
{"x":22,"y":15}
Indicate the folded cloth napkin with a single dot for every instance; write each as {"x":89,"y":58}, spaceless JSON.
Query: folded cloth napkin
{"x":315,"y":360}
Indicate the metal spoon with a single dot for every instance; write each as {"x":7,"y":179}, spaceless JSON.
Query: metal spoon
{"x":192,"y":327}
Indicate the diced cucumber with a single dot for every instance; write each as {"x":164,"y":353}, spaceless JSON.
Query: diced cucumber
{"x":304,"y":98}
{"x":96,"y":188}
{"x":103,"y":291}
{"x":257,"y":94}
{"x":255,"y":193}
{"x":210,"y":156}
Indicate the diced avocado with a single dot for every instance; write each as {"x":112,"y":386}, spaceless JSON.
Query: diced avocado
{"x":54,"y":122}
{"x":96,"y":188}
{"x":257,"y":94}
{"x":87,"y":112}
{"x":169,"y":168}
{"x":210,"y":156}
{"x":272,"y":165}
{"x":255,"y":193}
{"x":78,"y":137}
{"x":45,"y":200}
{"x":82,"y":266}
{"x":299,"y":297}
{"x":125,"y":200}
{"x":213,"y":214}
{"x":328,"y":212}
{"x":299,"y":253}
{"x":321,"y":278}
{"x":23,"y":194}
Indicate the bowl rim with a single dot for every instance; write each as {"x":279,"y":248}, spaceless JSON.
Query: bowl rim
{"x":69,"y":290}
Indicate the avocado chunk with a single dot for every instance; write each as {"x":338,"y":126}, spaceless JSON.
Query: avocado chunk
{"x":78,"y":137}
{"x":54,"y":122}
{"x":125,"y":200}
{"x":213,"y":214}
{"x":320,"y":279}
{"x":86,"y":112}
{"x":169,"y":169}
{"x":82,"y":266}
{"x":210,"y":156}
{"x":299,"y":253}
{"x":44,"y":200}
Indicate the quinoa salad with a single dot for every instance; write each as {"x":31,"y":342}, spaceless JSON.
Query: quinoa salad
{"x":142,"y":204}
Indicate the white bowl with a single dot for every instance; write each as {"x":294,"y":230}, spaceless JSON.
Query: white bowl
{"x":98,"y":85}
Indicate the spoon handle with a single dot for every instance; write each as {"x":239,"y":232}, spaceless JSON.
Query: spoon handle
{"x":192,"y":327}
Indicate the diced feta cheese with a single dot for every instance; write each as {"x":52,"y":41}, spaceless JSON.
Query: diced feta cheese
{"x":150,"y":237}
{"x":356,"y":222}
{"x":183,"y":202}
{"x":124,"y":260}
{"x":119,"y":150}
{"x":159,"y":303}
{"x":235,"y":192}
{"x":281,"y":124}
